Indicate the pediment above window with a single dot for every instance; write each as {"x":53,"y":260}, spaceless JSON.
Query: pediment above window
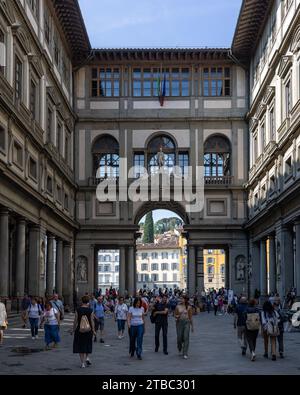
{"x":270,"y":94}
{"x":34,"y":60}
{"x":285,"y":65}
{"x":7,"y":8}
{"x":53,"y":95}
{"x":295,"y":43}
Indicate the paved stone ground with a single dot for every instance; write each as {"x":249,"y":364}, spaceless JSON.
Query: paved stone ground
{"x":213,"y":350}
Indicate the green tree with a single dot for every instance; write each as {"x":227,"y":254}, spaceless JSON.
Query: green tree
{"x":148,"y":236}
{"x":165,"y":224}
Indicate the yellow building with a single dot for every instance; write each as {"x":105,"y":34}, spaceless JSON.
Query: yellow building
{"x":214,"y":269}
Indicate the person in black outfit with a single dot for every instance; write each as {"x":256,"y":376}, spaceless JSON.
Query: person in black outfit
{"x":251,"y":335}
{"x":161,"y":322}
{"x":83,"y":342}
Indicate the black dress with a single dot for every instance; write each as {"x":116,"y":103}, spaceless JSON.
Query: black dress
{"x":83,"y":342}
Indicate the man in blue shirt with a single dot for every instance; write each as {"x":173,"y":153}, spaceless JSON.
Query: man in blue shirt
{"x":99,"y":309}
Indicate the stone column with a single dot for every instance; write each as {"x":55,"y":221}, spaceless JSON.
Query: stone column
{"x":50,"y":265}
{"x":263,"y":268}
{"x":254,"y":268}
{"x":191,"y":286}
{"x":131,"y":271}
{"x":67,"y":290}
{"x":4,"y":248}
{"x":200,"y":269}
{"x":297,"y":263}
{"x":122,"y":271}
{"x":287,"y":260}
{"x":34,"y":261}
{"x":272,"y":263}
{"x":59,"y":267}
{"x":20,"y":257}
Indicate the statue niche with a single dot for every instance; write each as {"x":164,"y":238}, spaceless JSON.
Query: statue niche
{"x":82,"y":269}
{"x":240,"y":268}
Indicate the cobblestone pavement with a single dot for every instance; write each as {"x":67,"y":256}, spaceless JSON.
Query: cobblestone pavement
{"x":213,"y":350}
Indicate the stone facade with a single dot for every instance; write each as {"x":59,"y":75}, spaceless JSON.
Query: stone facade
{"x":65,"y":107}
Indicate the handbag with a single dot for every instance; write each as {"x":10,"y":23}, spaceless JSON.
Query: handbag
{"x":84,"y":326}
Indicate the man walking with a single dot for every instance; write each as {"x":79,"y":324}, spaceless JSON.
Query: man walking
{"x":99,"y":309}
{"x":161,"y":322}
{"x":240,"y":323}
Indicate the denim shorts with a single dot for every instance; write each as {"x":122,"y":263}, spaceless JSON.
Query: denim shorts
{"x":99,"y":324}
{"x":121,"y":325}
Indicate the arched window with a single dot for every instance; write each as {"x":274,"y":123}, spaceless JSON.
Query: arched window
{"x":167,"y":146}
{"x":106,"y":157}
{"x":217,"y":153}
{"x":210,"y":269}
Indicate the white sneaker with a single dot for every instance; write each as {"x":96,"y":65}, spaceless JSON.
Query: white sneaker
{"x":33,"y":338}
{"x":82,"y":365}
{"x":185,"y":357}
{"x":253,"y":356}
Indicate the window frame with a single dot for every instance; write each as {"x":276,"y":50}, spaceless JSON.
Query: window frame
{"x":209,"y":79}
{"x":111,"y":81}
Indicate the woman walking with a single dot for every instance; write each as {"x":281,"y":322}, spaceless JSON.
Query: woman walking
{"x":3,"y":321}
{"x":252,"y":326}
{"x":34,"y":312}
{"x":121,"y":312}
{"x":84,"y":330}
{"x":184,"y":322}
{"x":136,"y":327}
{"x":51,"y":327}
{"x":270,"y":329}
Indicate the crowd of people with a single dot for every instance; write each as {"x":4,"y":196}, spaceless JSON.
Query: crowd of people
{"x":159,"y":304}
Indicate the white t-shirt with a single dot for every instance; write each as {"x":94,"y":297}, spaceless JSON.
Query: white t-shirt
{"x":121,"y":311}
{"x":34,"y":310}
{"x":136,"y":315}
{"x":50,"y":318}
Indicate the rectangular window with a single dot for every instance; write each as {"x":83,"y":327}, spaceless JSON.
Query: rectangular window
{"x":66,"y":202}
{"x":56,"y":49}
{"x":288,"y":167}
{"x":174,"y":266}
{"x":47,"y":26}
{"x":152,"y":82}
{"x":139,"y":164}
{"x":154,"y":277}
{"x":144,"y":255}
{"x":49,"y":123}
{"x":263,"y":137}
{"x":65,"y":71}
{"x":164,"y":266}
{"x":144,"y":267}
{"x":18,"y":78}
{"x":184,"y":162}
{"x":2,"y":53}
{"x":165,"y":276}
{"x":58,"y":193}
{"x":288,"y":98}
{"x":32,"y":168}
{"x":105,"y":82}
{"x":59,"y":137}
{"x":33,"y":99}
{"x":154,"y":266}
{"x":272,"y":125}
{"x":174,"y":276}
{"x":49,"y":184}
{"x":67,"y":148}
{"x":255,"y":148}
{"x":216,"y":81}
{"x":18,"y":154}
{"x":272,"y":184}
{"x":2,"y":138}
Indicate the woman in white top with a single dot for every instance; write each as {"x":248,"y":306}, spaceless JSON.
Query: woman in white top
{"x":51,"y":319}
{"x":184,"y":322}
{"x":136,"y":326}
{"x":121,"y":311}
{"x":3,"y":321}
{"x":33,"y":313}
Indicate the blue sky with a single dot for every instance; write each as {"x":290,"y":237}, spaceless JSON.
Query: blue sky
{"x":158,"y":214}
{"x":160,"y":23}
